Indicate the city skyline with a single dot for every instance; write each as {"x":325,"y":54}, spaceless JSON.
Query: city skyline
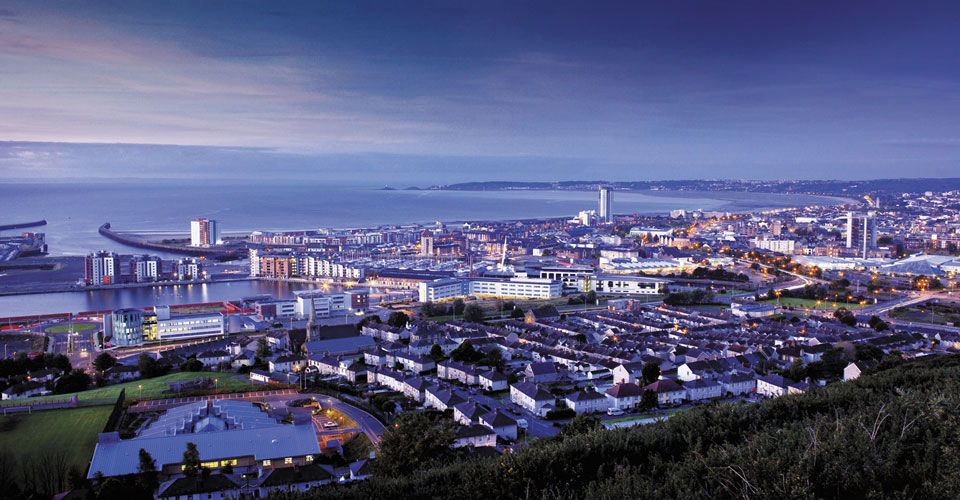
{"x":451,"y":93}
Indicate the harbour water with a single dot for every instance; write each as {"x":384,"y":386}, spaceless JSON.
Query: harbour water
{"x":98,"y":300}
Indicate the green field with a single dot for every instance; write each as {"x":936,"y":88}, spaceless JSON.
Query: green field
{"x":812,"y":304}
{"x":937,"y":314}
{"x":75,"y":327}
{"x":153,"y":387}
{"x":73,"y":430}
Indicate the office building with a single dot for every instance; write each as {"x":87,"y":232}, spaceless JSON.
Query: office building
{"x":519,"y":288}
{"x":325,"y":305}
{"x":204,"y":233}
{"x":126,"y":327}
{"x":862,"y":232}
{"x":606,"y":205}
{"x":622,"y":284}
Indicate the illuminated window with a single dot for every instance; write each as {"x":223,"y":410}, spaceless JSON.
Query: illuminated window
{"x":266,"y":463}
{"x":288,"y":460}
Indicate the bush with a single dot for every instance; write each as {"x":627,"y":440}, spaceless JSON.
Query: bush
{"x":561,"y":414}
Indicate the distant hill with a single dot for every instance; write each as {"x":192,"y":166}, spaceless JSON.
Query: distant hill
{"x":889,"y":434}
{"x":823,"y":187}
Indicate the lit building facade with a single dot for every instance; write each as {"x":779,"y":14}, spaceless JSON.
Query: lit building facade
{"x":204,"y":233}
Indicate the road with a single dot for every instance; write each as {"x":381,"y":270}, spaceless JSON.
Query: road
{"x":372,"y":427}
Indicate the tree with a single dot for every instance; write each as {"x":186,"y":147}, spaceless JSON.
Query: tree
{"x":191,"y":365}
{"x":76,"y":381}
{"x":473,"y":314}
{"x":494,"y":358}
{"x":191,"y":460}
{"x":103,"y":362}
{"x":150,"y":367}
{"x":650,"y":372}
{"x":590,"y":297}
{"x":465,"y":352}
{"x":373,"y":318}
{"x":61,"y":363}
{"x":148,"y":471}
{"x":398,"y":319}
{"x":416,"y":441}
{"x":517,"y":313}
{"x":649,"y":400}
{"x":263,"y":349}
{"x":458,"y":307}
{"x":436,"y":352}
{"x":581,"y":424}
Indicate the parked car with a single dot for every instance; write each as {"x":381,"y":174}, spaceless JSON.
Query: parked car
{"x":614,"y":412}
{"x":330,"y":423}
{"x":522,"y":423}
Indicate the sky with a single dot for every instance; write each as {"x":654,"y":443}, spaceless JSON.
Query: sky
{"x":442,"y":92}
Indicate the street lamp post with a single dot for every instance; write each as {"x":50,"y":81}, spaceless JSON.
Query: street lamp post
{"x":140,"y":391}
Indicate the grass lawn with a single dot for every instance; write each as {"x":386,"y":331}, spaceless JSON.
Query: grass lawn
{"x":629,"y":418}
{"x":153,"y":387}
{"x":812,"y":304}
{"x":75,"y":327}
{"x":74,"y":430}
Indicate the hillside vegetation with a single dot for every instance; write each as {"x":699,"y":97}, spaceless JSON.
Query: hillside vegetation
{"x":891,"y":434}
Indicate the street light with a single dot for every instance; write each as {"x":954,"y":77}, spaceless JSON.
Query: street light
{"x":140,"y":389}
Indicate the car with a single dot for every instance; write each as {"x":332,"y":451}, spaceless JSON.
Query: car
{"x":330,"y":423}
{"x":614,"y":412}
{"x":522,"y":423}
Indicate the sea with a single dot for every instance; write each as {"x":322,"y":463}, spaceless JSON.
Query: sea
{"x":75,"y":210}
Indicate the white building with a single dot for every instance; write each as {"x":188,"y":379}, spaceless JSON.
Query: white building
{"x":622,"y":284}
{"x":520,"y":288}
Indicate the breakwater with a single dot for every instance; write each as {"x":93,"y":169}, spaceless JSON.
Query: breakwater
{"x":137,"y":242}
{"x":23,"y":225}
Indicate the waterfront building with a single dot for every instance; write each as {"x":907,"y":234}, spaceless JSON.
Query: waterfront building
{"x":145,"y":268}
{"x":204,"y":233}
{"x":101,"y":268}
{"x":605,"y":212}
{"x":189,"y":269}
{"x":426,"y":243}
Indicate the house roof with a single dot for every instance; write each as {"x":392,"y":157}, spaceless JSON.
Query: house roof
{"x":190,"y":486}
{"x":291,"y":475}
{"x":474,"y":430}
{"x":584,"y":395}
{"x":496,"y":418}
{"x":624,"y":390}
{"x":664,"y":385}
{"x":115,"y":457}
{"x":533,"y":391}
